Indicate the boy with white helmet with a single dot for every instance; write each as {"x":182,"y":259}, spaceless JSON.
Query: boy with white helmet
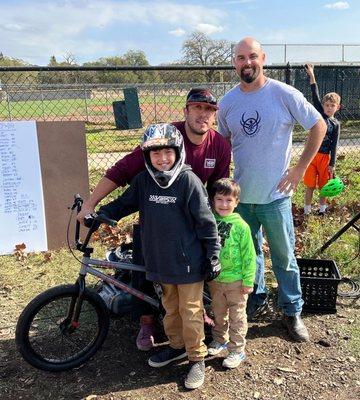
{"x":180,"y":243}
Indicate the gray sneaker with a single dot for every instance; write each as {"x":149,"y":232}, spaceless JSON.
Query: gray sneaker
{"x":196,"y":376}
{"x":215,"y":348}
{"x":234,"y":359}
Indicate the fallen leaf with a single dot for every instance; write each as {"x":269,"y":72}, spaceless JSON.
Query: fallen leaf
{"x":20,"y":247}
{"x":48,"y":256}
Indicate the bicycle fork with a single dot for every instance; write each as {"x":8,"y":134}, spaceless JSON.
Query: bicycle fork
{"x":71,"y":322}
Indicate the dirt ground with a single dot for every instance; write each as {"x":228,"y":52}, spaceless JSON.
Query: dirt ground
{"x":276,"y":368}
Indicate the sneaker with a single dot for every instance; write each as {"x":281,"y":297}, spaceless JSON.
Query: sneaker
{"x":234,"y":359}
{"x":296,"y":328}
{"x":145,"y":337}
{"x":215,"y":348}
{"x":196,"y":375}
{"x":166,"y":356}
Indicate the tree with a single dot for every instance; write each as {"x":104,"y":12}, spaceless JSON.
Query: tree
{"x":53,"y":62}
{"x":200,"y":49}
{"x":14,"y":77}
{"x":131,"y":58}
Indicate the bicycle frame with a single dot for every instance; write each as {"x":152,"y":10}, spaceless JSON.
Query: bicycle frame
{"x":88,"y":265}
{"x":87,"y":268}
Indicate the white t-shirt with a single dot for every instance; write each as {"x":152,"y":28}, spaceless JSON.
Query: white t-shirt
{"x":260,"y":125}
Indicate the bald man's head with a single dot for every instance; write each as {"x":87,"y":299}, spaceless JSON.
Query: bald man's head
{"x":249,"y":60}
{"x":248,"y":42}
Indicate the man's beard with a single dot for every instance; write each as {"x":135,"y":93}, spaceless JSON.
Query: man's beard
{"x":248,"y":78}
{"x":195,"y":131}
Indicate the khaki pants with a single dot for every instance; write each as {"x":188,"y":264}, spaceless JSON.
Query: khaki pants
{"x":184,"y":319}
{"x":229,"y":307}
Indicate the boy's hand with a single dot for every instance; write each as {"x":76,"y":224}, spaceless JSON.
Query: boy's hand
{"x":212,"y":269}
{"x":246,"y":289}
{"x":309,"y":68}
{"x":331,"y":171}
{"x":85,"y":210}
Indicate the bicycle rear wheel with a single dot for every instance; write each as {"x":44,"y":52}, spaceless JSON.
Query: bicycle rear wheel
{"x":47,"y":341}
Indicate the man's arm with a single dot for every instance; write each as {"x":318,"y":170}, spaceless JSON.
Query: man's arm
{"x":102,"y":189}
{"x":119,"y":174}
{"x":316,"y":135}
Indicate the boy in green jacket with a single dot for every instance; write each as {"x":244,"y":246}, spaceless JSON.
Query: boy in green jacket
{"x":230,"y":290}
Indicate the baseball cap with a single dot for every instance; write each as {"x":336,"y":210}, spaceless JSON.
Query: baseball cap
{"x":201,"y":96}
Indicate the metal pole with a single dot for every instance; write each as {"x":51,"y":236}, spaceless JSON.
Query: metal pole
{"x":86,"y":107}
{"x":8,"y":102}
{"x":42,"y":103}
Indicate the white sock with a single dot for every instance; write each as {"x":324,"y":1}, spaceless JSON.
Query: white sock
{"x":323,"y":207}
{"x":307,"y":209}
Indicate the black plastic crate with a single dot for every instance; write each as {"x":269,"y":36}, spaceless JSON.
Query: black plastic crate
{"x":319,"y":283}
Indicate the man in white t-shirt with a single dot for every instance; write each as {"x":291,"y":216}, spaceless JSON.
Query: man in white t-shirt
{"x":258,"y":116}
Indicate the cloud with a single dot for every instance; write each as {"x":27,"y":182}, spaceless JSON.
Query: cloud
{"x":36,"y":29}
{"x":340,"y":5}
{"x":208,"y":29}
{"x":177,"y":32}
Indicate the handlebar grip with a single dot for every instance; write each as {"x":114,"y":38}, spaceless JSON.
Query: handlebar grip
{"x":94,"y":220}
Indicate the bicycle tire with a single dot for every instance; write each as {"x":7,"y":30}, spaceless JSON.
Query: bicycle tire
{"x":42,"y":342}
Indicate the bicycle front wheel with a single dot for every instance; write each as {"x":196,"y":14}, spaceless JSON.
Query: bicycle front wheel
{"x":46,"y":336}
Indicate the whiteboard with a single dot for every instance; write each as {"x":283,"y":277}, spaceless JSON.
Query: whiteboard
{"x":22,"y":214}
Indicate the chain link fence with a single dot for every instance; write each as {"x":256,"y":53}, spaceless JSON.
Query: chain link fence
{"x":88,"y":94}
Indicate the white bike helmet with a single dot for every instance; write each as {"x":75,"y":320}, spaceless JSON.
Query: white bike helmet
{"x":159,"y":136}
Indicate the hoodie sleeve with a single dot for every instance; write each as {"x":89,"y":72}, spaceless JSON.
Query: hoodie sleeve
{"x":125,"y":204}
{"x":316,"y":98}
{"x":204,"y":220}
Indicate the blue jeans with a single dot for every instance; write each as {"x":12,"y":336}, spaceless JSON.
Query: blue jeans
{"x":277,"y":221}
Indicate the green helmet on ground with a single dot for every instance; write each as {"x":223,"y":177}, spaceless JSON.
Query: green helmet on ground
{"x":332,"y":188}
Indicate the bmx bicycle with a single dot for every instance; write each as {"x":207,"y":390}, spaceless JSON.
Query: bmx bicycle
{"x":63,"y":327}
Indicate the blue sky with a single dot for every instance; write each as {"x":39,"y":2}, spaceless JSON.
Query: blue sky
{"x":90,"y":29}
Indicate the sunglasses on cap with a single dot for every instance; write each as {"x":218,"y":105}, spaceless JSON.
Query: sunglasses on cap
{"x":202,"y":97}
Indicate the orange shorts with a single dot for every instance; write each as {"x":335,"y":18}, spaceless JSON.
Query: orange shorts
{"x":317,"y":173}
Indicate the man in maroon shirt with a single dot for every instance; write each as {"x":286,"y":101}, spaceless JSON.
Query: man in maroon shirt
{"x":207,"y":152}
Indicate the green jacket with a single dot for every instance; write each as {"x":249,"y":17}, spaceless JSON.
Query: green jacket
{"x":237,"y":254}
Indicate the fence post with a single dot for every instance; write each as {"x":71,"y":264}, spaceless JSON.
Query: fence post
{"x":8,"y":103}
{"x":155,"y":108}
{"x":288,"y":73}
{"x":86,"y":107}
{"x":42,"y":102}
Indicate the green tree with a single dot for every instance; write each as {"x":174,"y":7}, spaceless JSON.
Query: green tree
{"x":200,"y":49}
{"x":10,"y":78}
{"x":132,"y":58}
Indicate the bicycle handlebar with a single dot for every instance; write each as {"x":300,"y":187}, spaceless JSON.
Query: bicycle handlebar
{"x":91,"y":221}
{"x":96,"y":219}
